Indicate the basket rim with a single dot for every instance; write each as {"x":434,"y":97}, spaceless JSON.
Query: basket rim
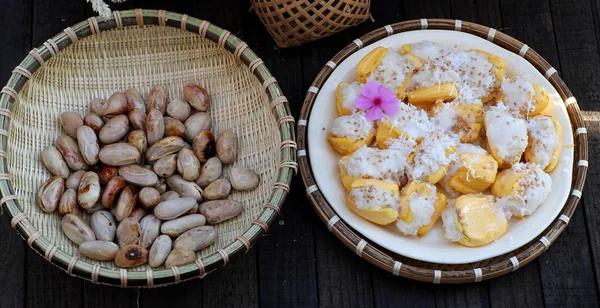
{"x":202,"y":266}
{"x":433,"y":272}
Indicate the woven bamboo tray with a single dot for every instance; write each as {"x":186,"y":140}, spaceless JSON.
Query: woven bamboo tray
{"x":432,"y":272}
{"x":138,"y":49}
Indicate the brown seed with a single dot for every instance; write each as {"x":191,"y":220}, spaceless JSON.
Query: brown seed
{"x":88,"y":144}
{"x":138,"y":213}
{"x":112,"y":190}
{"x":104,"y":225}
{"x":128,"y":232}
{"x":120,"y":154}
{"x":138,"y":175}
{"x":106,"y":173}
{"x":134,"y":100}
{"x":150,"y":226}
{"x":126,"y":202}
{"x":178,"y":109}
{"x":185,"y":188}
{"x":220,"y":210}
{"x":131,"y":256}
{"x":116,"y":104}
{"x":76,"y":229}
{"x":166,"y":166}
{"x":196,"y":96}
{"x":114,"y":130}
{"x":74,"y":179}
{"x":99,"y":250}
{"x":138,"y":139}
{"x":88,"y":192}
{"x":164,"y":147}
{"x":137,"y":119}
{"x":227,"y":146}
{"x":157,"y":99}
{"x":149,"y":197}
{"x":68,"y":203}
{"x":169,"y":195}
{"x":95,"y":208}
{"x":94,"y":121}
{"x":70,"y":122}
{"x":196,"y":238}
{"x":210,"y":171}
{"x":243,"y":178}
{"x":50,"y":194}
{"x":188,"y":165}
{"x":204,"y":145}
{"x":218,"y":189}
{"x":196,"y":123}
{"x":155,"y":126}
{"x":69,"y":149}
{"x":179,"y":257}
{"x":54,"y":162}
{"x":95,"y":105}
{"x":174,"y":127}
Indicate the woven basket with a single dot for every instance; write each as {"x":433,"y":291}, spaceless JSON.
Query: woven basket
{"x":292,"y":23}
{"x":446,"y":273}
{"x":138,"y":49}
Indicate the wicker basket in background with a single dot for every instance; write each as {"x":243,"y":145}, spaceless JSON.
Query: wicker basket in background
{"x":295,"y":22}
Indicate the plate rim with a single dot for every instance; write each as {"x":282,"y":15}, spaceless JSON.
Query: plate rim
{"x":427,"y":271}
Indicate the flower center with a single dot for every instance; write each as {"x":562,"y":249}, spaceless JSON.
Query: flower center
{"x":377,"y":102}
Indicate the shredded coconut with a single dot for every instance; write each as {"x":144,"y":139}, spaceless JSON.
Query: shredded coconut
{"x":543,"y":139}
{"x":374,"y":198}
{"x":386,"y":165}
{"x":349,"y":93}
{"x":354,"y":126}
{"x":518,"y":94}
{"x":470,"y":71}
{"x":422,"y":208}
{"x":450,"y":229}
{"x":506,"y":133}
{"x":533,"y":188}
{"x":392,"y":70}
{"x":412,"y":122}
{"x":431,"y":156}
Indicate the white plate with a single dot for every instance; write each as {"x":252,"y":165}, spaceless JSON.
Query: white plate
{"x":434,"y":247}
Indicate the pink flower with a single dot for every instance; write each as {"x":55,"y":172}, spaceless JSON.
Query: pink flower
{"x":377,"y":100}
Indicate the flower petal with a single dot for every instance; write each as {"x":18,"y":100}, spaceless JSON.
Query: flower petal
{"x":374,"y":113}
{"x":390,"y":108}
{"x":386,"y":95}
{"x":364,"y":103}
{"x":370,"y":89}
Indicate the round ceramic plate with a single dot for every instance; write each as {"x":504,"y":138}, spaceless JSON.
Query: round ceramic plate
{"x":434,"y":247}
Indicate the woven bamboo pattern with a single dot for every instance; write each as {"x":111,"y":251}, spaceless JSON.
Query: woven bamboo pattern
{"x":293,"y":23}
{"x":447,"y":273}
{"x":138,"y":49}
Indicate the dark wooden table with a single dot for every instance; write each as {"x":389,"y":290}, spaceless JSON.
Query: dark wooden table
{"x":301,"y":264}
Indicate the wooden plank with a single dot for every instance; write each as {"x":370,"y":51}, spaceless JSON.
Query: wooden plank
{"x":391,"y":291}
{"x":566,"y":282}
{"x":15,"y":17}
{"x":519,"y":289}
{"x":486,"y":13}
{"x":235,"y":285}
{"x":415,"y":9}
{"x":185,"y":294}
{"x":109,"y":296}
{"x":466,"y":295}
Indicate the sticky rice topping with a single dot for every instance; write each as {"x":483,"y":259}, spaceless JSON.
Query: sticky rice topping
{"x":422,"y":207}
{"x":431,"y":155}
{"x":412,"y":122}
{"x":354,"y":126}
{"x":349,"y":93}
{"x":534,"y":187}
{"x":506,"y":132}
{"x":469,"y":71}
{"x":374,"y":198}
{"x":386,"y":165}
{"x":518,"y":94}
{"x":392,"y":71}
{"x":543,"y":139}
